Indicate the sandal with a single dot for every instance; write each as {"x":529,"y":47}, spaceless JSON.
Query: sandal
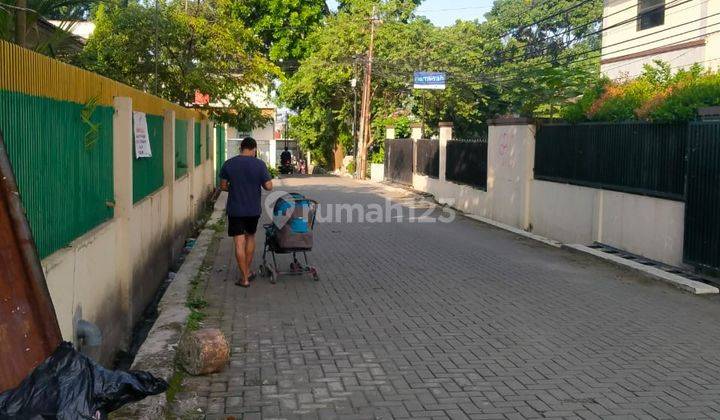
{"x":241,"y":284}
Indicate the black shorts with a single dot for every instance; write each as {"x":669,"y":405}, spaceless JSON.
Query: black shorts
{"x":242,"y":225}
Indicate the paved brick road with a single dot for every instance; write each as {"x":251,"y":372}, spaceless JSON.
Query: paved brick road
{"x":456,"y":320}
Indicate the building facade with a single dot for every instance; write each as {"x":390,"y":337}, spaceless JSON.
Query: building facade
{"x":679,"y":32}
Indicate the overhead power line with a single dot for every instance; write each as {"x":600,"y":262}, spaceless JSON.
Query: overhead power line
{"x":673,"y":4}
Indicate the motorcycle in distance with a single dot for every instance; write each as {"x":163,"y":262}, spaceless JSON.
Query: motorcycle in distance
{"x":286,"y":165}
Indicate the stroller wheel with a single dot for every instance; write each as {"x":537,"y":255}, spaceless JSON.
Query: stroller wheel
{"x":262,"y":270}
{"x":315,"y":274}
{"x":294,"y":266}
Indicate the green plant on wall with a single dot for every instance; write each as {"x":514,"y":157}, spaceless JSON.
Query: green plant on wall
{"x":93,"y":132}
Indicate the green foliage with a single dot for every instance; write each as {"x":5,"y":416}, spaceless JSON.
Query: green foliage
{"x":274,"y":173}
{"x":682,"y":103}
{"x":351,"y":167}
{"x":378,"y":156}
{"x":175,"y":384}
{"x":59,"y":43}
{"x":282,"y":25}
{"x":93,"y":133}
{"x":499,"y":66}
{"x":619,"y":102}
{"x":657,"y":94}
{"x":174,"y":48}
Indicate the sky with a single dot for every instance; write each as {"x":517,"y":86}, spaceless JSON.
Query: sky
{"x":446,"y":12}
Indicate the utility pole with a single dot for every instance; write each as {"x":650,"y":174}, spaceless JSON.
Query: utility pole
{"x":366,"y":136}
{"x":353,"y":84}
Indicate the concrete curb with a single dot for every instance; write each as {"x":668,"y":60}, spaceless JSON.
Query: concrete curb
{"x":683,"y":283}
{"x":517,"y":231}
{"x":692,"y":286}
{"x":157,"y":353}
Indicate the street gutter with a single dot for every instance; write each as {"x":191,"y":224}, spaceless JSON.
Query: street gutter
{"x":157,"y":353}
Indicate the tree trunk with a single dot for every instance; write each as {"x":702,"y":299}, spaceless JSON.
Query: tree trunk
{"x":20,"y":22}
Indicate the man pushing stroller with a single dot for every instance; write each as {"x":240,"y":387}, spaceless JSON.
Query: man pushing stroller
{"x":242,"y":177}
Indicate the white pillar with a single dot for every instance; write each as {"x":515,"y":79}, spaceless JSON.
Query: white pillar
{"x":511,"y":158}
{"x":273,"y":152}
{"x":169,"y":172}
{"x":123,"y":186}
{"x":446,"y":133}
{"x":416,"y":131}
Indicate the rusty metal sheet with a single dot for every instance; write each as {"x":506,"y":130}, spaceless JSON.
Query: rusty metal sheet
{"x":29,"y":330}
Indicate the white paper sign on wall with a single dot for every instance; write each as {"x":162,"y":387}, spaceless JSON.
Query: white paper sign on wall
{"x":142,"y":137}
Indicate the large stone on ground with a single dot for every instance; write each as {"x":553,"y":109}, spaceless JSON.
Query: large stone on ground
{"x":204,"y":351}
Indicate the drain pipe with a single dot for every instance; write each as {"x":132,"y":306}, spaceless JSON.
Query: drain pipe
{"x":87,"y":334}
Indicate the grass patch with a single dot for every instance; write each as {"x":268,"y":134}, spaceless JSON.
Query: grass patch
{"x":219,"y":226}
{"x":175,"y":384}
{"x":197,"y":303}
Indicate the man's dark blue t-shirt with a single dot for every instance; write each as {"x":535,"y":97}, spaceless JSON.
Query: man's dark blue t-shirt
{"x":246,"y":176}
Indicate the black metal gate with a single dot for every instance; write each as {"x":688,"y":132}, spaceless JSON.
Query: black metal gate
{"x":399,"y":160}
{"x":702,"y":205}
{"x":427,"y":158}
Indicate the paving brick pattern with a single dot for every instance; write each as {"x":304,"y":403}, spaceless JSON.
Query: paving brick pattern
{"x":454,"y":321}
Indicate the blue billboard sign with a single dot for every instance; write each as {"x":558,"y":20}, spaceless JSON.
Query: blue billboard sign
{"x":429,"y":80}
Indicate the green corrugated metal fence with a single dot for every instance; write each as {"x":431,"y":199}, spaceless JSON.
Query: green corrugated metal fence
{"x":208,"y":139}
{"x":63,"y":165}
{"x":198,"y":144}
{"x":148,"y":172}
{"x":219,"y":149}
{"x":181,"y":163}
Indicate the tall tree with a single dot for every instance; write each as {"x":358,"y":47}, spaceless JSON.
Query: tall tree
{"x":175,"y":48}
{"x":281,"y":25}
{"x":525,"y":58}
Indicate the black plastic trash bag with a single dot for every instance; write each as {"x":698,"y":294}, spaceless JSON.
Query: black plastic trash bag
{"x":68,"y":385}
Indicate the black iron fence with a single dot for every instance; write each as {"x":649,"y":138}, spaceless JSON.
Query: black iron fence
{"x":399,"y":160}
{"x":702,"y":208}
{"x":466,"y":162}
{"x":428,"y":158}
{"x":640,"y":158}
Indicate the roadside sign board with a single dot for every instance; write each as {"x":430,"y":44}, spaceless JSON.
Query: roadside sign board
{"x":429,"y":80}
{"x":142,"y":138}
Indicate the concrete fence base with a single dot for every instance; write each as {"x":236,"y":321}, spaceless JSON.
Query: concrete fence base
{"x":647,"y":226}
{"x":110,"y":274}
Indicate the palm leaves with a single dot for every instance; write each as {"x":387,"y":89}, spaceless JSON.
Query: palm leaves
{"x":54,"y":42}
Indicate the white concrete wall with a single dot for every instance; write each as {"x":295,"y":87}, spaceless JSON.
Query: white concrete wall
{"x":647,"y":226}
{"x":111,"y":273}
{"x":151,"y":250}
{"x":82,"y":280}
{"x":462,"y":197}
{"x":563,"y":212}
{"x":377,"y":172}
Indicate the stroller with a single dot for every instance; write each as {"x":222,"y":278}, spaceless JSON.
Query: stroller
{"x":291,"y":232}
